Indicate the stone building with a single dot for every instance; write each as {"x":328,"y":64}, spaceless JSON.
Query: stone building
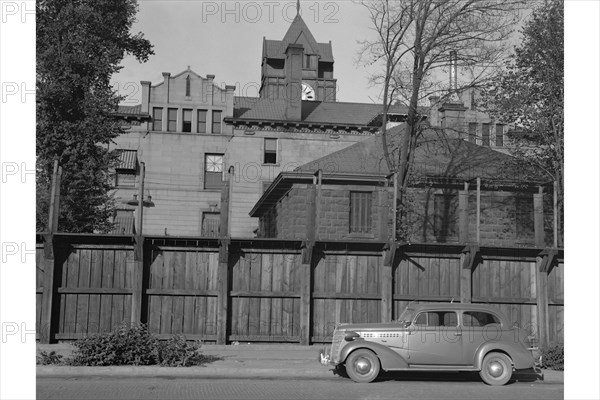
{"x":461,"y":193}
{"x":192,"y":136}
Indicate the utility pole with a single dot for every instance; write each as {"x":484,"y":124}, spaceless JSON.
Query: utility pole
{"x":138,"y":253}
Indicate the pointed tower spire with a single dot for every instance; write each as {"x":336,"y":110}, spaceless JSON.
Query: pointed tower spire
{"x":298,"y":7}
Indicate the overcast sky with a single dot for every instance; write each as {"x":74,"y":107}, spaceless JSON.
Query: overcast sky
{"x":224,"y":38}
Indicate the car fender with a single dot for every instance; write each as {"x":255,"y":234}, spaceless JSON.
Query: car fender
{"x":521,"y":359}
{"x":388,"y":358}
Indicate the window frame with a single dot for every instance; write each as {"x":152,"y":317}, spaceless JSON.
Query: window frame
{"x":186,"y":126}
{"x":206,"y":171}
{"x":156,"y":121}
{"x":363,"y":225}
{"x":217,"y":122}
{"x":201,"y":120}
{"x":170,"y":111}
{"x":485,"y":134}
{"x":270,"y":152}
{"x":499,"y":138}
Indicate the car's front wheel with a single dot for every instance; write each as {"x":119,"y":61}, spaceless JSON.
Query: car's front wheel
{"x":496,"y":369}
{"x":362,"y":366}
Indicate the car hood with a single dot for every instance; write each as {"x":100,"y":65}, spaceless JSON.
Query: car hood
{"x":370,"y":327}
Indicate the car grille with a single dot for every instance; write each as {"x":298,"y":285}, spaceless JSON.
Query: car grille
{"x":336,"y":346}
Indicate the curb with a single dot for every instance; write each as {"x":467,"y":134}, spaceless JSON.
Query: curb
{"x":230,"y":371}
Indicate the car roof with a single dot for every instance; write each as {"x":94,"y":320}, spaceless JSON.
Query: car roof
{"x":454,"y":306}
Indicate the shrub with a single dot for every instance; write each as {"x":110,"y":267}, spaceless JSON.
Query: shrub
{"x":52,"y":358}
{"x":553,"y":357}
{"x":130,"y":345}
{"x":178,"y":352}
{"x":124,"y":345}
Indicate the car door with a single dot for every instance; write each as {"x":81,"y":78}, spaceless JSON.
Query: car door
{"x":479,"y":327}
{"x":435,"y":338}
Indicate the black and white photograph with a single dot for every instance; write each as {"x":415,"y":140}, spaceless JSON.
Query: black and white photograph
{"x":351,"y":199}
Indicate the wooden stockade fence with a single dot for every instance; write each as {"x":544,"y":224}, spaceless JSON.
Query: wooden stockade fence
{"x":259,"y":290}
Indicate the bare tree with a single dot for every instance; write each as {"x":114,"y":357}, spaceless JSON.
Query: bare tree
{"x":415,"y":41}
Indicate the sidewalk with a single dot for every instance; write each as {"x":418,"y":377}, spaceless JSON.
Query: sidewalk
{"x":242,"y":361}
{"x":277,"y":361}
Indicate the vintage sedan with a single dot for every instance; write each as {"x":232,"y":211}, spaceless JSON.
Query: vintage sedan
{"x":433,"y":337}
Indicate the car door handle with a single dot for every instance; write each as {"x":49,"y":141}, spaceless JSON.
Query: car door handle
{"x":458,"y":333}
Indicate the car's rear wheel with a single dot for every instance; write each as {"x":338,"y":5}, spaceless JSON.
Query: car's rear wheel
{"x":496,"y":369}
{"x":362,"y":366}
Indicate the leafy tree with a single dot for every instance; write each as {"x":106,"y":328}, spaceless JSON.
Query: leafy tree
{"x":415,"y":43}
{"x":530,"y":95}
{"x":80,"y":44}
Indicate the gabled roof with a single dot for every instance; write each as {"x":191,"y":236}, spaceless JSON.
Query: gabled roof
{"x":437,"y":155}
{"x":315,"y":112}
{"x":299,"y":33}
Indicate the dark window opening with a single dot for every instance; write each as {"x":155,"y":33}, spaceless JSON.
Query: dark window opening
{"x":478,"y":318}
{"x":437,"y":318}
{"x":360,"y":212}
{"x":187,"y":86}
{"x":485,"y":134}
{"x":186,"y":125}
{"x":499,"y":135}
{"x":270,"y":151}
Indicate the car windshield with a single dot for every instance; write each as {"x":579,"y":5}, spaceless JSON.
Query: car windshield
{"x":407,"y":315}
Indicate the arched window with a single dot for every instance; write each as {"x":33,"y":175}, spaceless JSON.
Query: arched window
{"x":187,"y":86}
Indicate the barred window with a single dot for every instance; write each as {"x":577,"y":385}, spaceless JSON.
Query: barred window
{"x":360,"y":212}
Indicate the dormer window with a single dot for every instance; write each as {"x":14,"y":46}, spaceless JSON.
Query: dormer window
{"x":309,"y":61}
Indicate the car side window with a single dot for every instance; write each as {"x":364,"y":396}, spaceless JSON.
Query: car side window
{"x":437,"y":318}
{"x":479,"y":318}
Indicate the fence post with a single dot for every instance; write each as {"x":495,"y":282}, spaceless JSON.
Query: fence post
{"x":387,"y":285}
{"x":467,"y":257}
{"x":223,"y":270}
{"x":538,"y":219}
{"x":541,"y":270}
{"x":45,"y":329}
{"x":48,"y":259}
{"x":541,"y":282}
{"x":306,"y":267}
{"x":138,"y":253}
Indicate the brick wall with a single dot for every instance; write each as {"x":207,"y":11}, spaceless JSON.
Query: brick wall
{"x":288,"y":218}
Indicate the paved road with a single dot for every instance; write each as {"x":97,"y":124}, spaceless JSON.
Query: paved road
{"x":447,"y":387}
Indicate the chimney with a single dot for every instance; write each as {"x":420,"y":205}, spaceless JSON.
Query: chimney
{"x":452,"y":111}
{"x":229,"y":95}
{"x":210,"y":89}
{"x":166,"y":78}
{"x":293,"y":82}
{"x":145,"y":96}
